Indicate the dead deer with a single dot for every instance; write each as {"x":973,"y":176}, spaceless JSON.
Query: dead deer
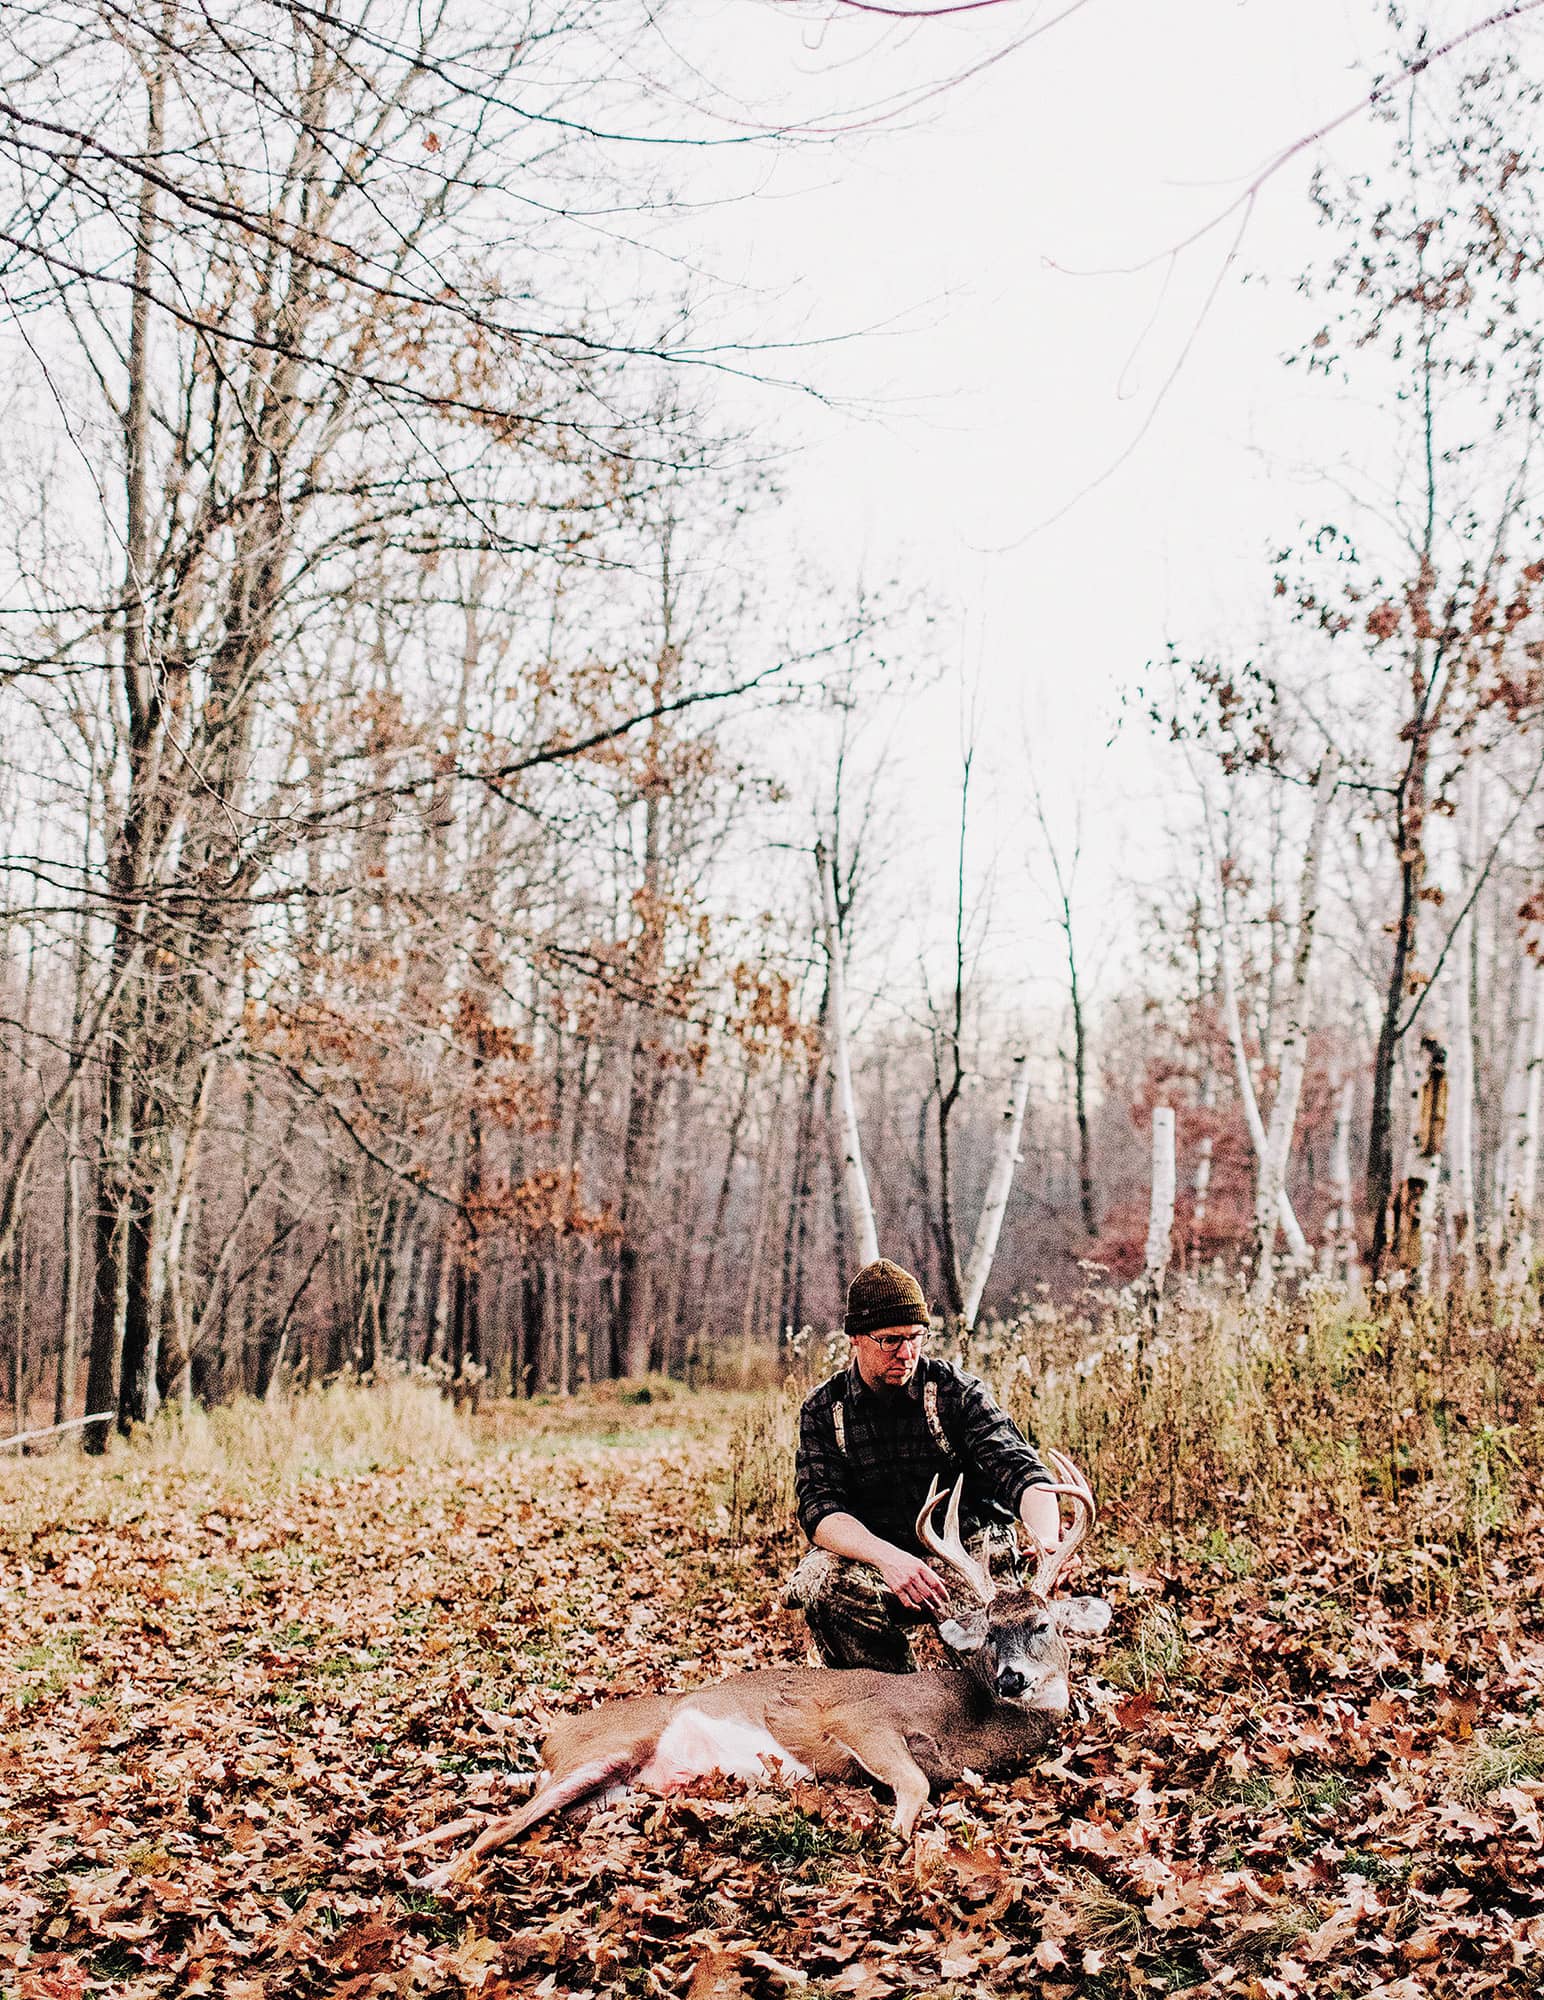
{"x":997,"y":1705}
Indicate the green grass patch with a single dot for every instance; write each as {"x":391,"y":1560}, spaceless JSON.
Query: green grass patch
{"x":47,"y":1668}
{"x":1234,"y":1555}
{"x":787,"y":1837}
{"x":1319,"y":1792}
{"x":1315,"y":1793}
{"x":1384,"y":1870}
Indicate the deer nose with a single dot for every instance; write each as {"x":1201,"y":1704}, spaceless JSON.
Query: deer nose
{"x":1010,"y":1681}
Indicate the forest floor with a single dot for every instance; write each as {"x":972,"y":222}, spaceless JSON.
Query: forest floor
{"x":230,"y":1692}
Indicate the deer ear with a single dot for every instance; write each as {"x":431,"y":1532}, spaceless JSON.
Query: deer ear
{"x":1081,"y":1617}
{"x":967,"y":1636}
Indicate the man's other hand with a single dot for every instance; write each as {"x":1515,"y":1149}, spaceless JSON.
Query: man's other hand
{"x":917,"y":1586}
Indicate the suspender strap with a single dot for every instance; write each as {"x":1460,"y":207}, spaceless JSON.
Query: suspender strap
{"x":934,"y":1421}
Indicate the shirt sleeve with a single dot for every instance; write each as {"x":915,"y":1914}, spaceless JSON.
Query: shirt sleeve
{"x":991,"y":1443}
{"x":820,"y":1481}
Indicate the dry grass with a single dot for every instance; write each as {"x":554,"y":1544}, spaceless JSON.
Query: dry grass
{"x":761,"y":1454}
{"x":1506,"y":1757}
{"x":345,"y":1429}
{"x":1417,"y":1432}
{"x":1155,"y":1655}
{"x":1103,"y":1921}
{"x":1413,"y":1430}
{"x":245,"y":1447}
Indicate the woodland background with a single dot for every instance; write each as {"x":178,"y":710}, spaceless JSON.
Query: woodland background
{"x":413,"y":758}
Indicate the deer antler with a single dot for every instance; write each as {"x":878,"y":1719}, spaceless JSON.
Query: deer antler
{"x":1077,"y":1489}
{"x":949,"y":1549}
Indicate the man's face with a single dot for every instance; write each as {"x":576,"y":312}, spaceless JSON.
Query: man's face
{"x":888,"y":1360}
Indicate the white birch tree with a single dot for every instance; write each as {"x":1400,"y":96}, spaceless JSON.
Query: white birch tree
{"x":1271,"y":1189}
{"x":999,"y":1185}
{"x":1160,"y":1206}
{"x":854,"y":1177}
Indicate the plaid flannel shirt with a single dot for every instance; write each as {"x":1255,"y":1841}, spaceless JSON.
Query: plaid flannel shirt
{"x":876,"y":1458}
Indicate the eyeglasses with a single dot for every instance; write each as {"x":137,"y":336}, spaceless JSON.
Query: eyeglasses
{"x":892,"y":1343}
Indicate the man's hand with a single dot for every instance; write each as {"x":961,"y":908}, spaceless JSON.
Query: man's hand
{"x":1040,"y":1511}
{"x":917,"y":1586}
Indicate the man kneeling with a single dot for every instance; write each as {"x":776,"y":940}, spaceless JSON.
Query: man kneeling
{"x":871,"y":1441}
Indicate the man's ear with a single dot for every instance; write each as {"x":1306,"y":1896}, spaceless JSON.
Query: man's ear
{"x":964,"y":1636}
{"x":1081,"y":1617}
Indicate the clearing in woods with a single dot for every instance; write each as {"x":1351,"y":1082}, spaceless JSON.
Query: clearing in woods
{"x":242,"y":1665}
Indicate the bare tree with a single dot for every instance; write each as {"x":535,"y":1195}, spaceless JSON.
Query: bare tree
{"x":1065,"y":879}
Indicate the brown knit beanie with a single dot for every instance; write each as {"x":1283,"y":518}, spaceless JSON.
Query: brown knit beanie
{"x":884,"y":1295}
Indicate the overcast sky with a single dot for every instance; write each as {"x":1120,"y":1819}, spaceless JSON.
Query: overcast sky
{"x":1084,"y":447}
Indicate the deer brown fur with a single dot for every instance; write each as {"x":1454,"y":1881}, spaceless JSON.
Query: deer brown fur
{"x":1001,"y":1702}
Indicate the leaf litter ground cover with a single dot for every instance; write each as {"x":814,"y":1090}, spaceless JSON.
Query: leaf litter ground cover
{"x":229,"y":1701}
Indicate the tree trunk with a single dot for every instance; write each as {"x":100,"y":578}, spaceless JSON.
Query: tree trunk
{"x":999,"y":1185}
{"x":69,"y":1322}
{"x":791,"y":1307}
{"x":633,"y":1348}
{"x":1201,"y":1180}
{"x":1410,"y":851}
{"x":1428,"y":1122}
{"x":721,"y":1204}
{"x":1523,"y":1141}
{"x":1087,"y":1200}
{"x":1461,"y":1124}
{"x":771,"y":1171}
{"x":1460,"y":1024}
{"x":174,"y":1333}
{"x":841,"y":1256}
{"x":854,"y":1178}
{"x":1297,"y":1243}
{"x":1160,"y":1210}
{"x":633,"y":1344}
{"x":1271,"y":1186}
{"x":948,"y":1254}
{"x":533,"y":1323}
{"x":1340,"y":1231}
{"x":121,"y":1337}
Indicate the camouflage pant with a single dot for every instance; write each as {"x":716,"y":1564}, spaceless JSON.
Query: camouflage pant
{"x":855,"y":1622}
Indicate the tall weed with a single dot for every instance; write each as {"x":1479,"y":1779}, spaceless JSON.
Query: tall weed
{"x":1237,"y":1414}
{"x":1415,"y":1429}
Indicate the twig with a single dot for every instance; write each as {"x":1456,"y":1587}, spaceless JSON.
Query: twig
{"x":51,"y":1430}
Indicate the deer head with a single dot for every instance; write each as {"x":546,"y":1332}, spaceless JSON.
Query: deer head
{"x":1013,"y":1643}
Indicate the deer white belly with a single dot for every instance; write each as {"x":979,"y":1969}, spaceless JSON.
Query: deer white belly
{"x":693,"y":1745}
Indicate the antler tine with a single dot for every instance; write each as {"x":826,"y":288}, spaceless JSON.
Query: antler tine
{"x":949,"y":1548}
{"x":1077,"y":1489}
{"x":1075,"y":1481}
{"x":952,"y":1516}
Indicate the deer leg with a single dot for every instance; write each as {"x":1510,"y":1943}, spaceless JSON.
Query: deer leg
{"x":884,"y":1754}
{"x":577,"y":1787}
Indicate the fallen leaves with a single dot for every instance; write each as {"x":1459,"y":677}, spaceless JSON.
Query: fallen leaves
{"x":228,"y":1716}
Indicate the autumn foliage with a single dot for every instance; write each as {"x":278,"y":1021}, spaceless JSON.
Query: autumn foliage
{"x":244,"y":1666}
